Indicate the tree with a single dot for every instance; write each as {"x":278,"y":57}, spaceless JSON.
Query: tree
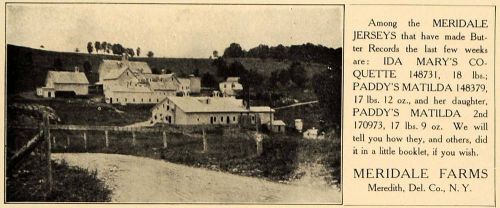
{"x":131,"y":52}
{"x":117,"y":49}
{"x":104,"y":46}
{"x":297,"y":74}
{"x":284,"y":77}
{"x":58,"y":64}
{"x":97,"y":46}
{"x":236,"y":69}
{"x":208,"y":80}
{"x":215,"y":54}
{"x":138,"y":51}
{"x":261,"y":51}
{"x":108,"y":48}
{"x":279,"y":52}
{"x":150,"y":54}
{"x":222,"y":69}
{"x":327,"y":86}
{"x":234,"y":51}
{"x":274,"y":79}
{"x":252,"y":82}
{"x":87,"y":67}
{"x":90,"y":48}
{"x":77,"y":50}
{"x":196,"y":72}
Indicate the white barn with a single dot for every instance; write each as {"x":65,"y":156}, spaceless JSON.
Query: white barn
{"x":132,"y":82}
{"x":64,"y":81}
{"x":205,"y":111}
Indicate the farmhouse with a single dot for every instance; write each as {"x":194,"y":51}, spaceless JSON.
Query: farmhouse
{"x":64,"y":82}
{"x":207,"y":111}
{"x":231,"y":86}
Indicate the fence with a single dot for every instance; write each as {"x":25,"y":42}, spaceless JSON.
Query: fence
{"x":44,"y":136}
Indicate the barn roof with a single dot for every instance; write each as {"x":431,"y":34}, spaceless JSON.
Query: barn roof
{"x":278,"y":123}
{"x":232,"y":79}
{"x":67,"y":77}
{"x":261,"y":109}
{"x":108,"y":66}
{"x":115,"y":73}
{"x":207,"y":104}
{"x":185,"y":81}
{"x":168,"y":86}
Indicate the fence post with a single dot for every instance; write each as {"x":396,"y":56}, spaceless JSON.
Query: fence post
{"x":205,"y":143}
{"x":67,"y":142}
{"x":164,"y":139}
{"x":258,"y":141}
{"x":54,"y":142}
{"x":107,"y":139}
{"x":85,"y":140}
{"x":46,"y":131}
{"x":133,"y":138}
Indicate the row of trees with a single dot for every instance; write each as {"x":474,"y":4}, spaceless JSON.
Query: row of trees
{"x":117,"y":49}
{"x":306,"y":52}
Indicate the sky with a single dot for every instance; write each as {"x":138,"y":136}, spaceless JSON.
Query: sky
{"x":188,"y":31}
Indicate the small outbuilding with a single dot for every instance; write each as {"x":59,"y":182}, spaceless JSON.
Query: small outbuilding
{"x":64,"y":83}
{"x":278,"y":126}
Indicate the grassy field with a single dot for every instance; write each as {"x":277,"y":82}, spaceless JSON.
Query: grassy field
{"x":86,"y":112}
{"x":71,"y":184}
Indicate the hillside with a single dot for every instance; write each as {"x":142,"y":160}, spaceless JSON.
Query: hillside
{"x":27,"y":67}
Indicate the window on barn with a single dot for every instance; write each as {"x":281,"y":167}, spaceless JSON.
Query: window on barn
{"x":117,"y":100}
{"x":133,"y":100}
{"x":221,"y":118}
{"x":168,"y":107}
{"x":149,"y":99}
{"x":125,"y":99}
{"x":234,"y":118}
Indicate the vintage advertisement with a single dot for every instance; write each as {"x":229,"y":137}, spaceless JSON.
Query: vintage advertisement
{"x":250,"y":103}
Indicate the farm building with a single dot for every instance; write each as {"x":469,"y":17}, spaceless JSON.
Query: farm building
{"x":132,"y":82}
{"x":195,"y":84}
{"x":231,"y":86}
{"x":313,"y":134}
{"x":278,"y":126}
{"x":109,"y":66}
{"x":64,"y":82}
{"x":185,"y":86}
{"x":205,"y":111}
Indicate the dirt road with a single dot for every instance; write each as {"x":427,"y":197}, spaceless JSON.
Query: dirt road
{"x":138,"y":179}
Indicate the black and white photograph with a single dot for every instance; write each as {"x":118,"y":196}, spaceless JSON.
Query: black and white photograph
{"x":173,"y":103}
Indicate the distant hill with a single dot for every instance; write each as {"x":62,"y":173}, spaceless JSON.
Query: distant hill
{"x":27,"y":67}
